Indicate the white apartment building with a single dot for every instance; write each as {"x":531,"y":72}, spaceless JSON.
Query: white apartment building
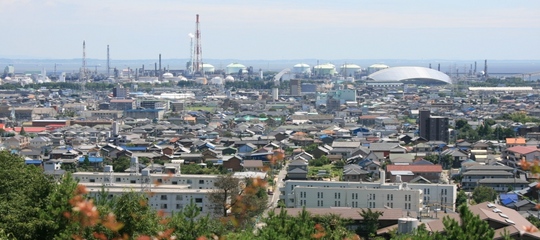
{"x":410,"y":196}
{"x":165,"y":197}
{"x":325,"y":197}
{"x":191,"y":181}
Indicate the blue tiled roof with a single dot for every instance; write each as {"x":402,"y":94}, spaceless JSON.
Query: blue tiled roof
{"x":33,"y":162}
{"x":133,"y":148}
{"x":92,"y":159}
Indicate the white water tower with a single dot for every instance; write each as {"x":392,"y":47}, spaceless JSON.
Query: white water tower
{"x":407,"y":225}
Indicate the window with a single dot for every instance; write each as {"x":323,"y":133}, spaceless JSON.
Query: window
{"x":179,"y":197}
{"x":160,"y":180}
{"x":163,"y":197}
{"x":201,"y":181}
{"x":198,"y":200}
{"x":189,"y":181}
{"x":164,"y":206}
{"x":179,"y":206}
{"x":174,"y":182}
{"x":118,"y":179}
{"x":133,"y":181}
{"x":92,"y":180}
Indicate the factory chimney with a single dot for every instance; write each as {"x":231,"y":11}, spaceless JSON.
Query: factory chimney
{"x":160,"y":73}
{"x":439,"y":67}
{"x":474,"y":71}
{"x":485,"y":69}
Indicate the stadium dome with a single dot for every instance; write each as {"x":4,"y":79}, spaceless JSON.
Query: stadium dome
{"x":414,"y":75}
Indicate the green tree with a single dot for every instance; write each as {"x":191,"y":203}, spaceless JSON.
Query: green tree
{"x":461,"y":123}
{"x":22,"y":132}
{"x":189,"y":224}
{"x":24,"y":194}
{"x":471,"y":226}
{"x":461,"y":198}
{"x":370,"y":223}
{"x":483,"y":194}
{"x":121,"y":164}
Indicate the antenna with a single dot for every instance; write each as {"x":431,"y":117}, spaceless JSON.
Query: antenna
{"x":198,"y":48}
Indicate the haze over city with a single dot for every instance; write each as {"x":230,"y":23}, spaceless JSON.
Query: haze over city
{"x":273,"y":30}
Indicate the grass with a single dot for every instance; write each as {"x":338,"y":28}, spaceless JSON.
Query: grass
{"x":330,"y":168}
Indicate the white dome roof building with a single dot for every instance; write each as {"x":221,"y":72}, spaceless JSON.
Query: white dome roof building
{"x":349,"y":70}
{"x":325,"y":69}
{"x":376,"y":67}
{"x":301,"y":68}
{"x":234,"y":68}
{"x":410,"y":75}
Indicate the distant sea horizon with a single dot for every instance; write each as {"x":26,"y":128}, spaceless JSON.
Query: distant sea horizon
{"x":446,"y":65}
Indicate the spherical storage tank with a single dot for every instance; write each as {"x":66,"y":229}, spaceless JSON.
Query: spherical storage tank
{"x":376,"y":67}
{"x":234,"y":68}
{"x":325,"y":69}
{"x":301,"y":68}
{"x":229,"y":78}
{"x":216,"y":81}
{"x":348,"y":70}
{"x":168,"y":75}
{"x":208,"y":68}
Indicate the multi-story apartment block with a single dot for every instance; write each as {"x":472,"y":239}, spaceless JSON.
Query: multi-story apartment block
{"x":410,"y":196}
{"x":166,"y":192}
{"x":167,"y":198}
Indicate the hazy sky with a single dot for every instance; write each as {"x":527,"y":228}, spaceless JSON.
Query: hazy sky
{"x":273,"y":29}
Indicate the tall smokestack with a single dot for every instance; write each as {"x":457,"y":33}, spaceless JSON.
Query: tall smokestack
{"x":474,"y":71}
{"x":430,"y":66}
{"x":108,"y":62}
{"x":159,"y":77}
{"x":485,"y":68}
{"x":439,"y":67}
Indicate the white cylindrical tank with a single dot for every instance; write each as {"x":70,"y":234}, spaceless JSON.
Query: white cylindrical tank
{"x":108,"y":168}
{"x":134,"y":163}
{"x":216,"y":81}
{"x":208,"y":68}
{"x":325,"y":69}
{"x":275,"y":93}
{"x":407,"y":224}
{"x":349,"y":70}
{"x":301,"y":68}
{"x":376,"y":67}
{"x":382,"y":176}
{"x":62,"y":77}
{"x":398,"y":178}
{"x":234,"y":68}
